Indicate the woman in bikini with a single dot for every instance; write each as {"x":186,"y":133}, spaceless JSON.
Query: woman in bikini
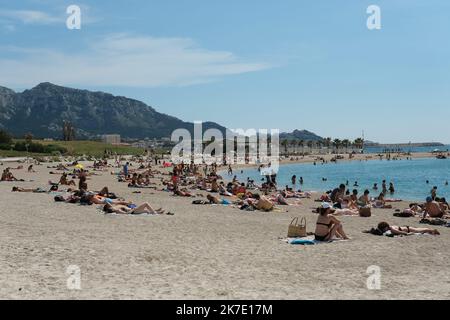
{"x":327,"y":226}
{"x":384,"y":227}
{"x":122,"y":209}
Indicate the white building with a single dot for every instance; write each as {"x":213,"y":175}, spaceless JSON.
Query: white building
{"x":111,"y":138}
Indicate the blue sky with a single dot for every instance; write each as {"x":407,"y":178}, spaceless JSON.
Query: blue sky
{"x":248,"y":64}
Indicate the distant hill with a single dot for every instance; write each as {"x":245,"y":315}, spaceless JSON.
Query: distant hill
{"x":42,"y":110}
{"x":304,"y":135}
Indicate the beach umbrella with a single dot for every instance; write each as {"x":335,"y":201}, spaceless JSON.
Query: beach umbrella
{"x":79,"y":166}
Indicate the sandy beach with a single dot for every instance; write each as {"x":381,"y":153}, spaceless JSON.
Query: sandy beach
{"x":202,"y":252}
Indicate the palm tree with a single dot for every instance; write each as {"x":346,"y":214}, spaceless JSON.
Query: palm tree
{"x":319,"y":145}
{"x":337,"y":144}
{"x":301,"y":143}
{"x":346,"y":144}
{"x":328,"y":143}
{"x":310,"y":145}
{"x":359,"y":143}
{"x":294,"y":145}
{"x":284,"y":143}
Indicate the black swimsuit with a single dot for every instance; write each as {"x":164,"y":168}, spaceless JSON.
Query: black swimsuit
{"x":323,"y":238}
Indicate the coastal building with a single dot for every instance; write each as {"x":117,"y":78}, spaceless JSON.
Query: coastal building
{"x":111,"y":138}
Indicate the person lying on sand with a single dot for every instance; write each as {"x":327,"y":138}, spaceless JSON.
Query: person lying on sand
{"x":215,"y":200}
{"x":384,"y":228}
{"x":37,"y":190}
{"x":262,"y":203}
{"x":182,"y":192}
{"x":327,"y":226}
{"x":98,"y":199}
{"x":144,"y":208}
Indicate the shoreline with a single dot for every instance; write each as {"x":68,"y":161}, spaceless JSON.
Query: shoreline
{"x":311,"y":159}
{"x":357,"y":157}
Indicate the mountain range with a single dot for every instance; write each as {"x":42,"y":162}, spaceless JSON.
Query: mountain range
{"x":43,"y":109}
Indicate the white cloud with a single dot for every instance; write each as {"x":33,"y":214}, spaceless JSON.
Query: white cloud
{"x":30,"y":16}
{"x":123,"y":60}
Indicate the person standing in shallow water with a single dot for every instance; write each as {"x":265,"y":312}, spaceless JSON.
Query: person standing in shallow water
{"x":294,"y":180}
{"x":434,"y":193}
{"x":391,"y":188}
{"x":384,"y":187}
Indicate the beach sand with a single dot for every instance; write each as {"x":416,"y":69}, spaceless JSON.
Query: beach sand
{"x":203,"y":252}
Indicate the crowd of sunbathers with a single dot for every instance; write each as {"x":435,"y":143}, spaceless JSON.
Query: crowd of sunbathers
{"x":109,"y":202}
{"x":190,"y":180}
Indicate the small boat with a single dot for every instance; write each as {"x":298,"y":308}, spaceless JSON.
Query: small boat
{"x":441,"y":157}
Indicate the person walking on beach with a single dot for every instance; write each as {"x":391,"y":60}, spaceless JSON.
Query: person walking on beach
{"x":125,"y":169}
{"x":230,"y":170}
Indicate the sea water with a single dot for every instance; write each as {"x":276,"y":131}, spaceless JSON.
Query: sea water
{"x":408,"y":176}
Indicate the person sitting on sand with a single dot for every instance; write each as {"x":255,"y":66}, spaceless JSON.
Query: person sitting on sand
{"x":384,"y":228}
{"x":223,"y":191}
{"x":349,"y":204}
{"x":214,"y":186}
{"x":433,"y":209}
{"x":354,"y":196}
{"x":122,"y":209}
{"x":327,"y":226}
{"x":364,"y":200}
{"x":63,"y":180}
{"x":8,"y":176}
{"x":380,"y":203}
{"x":82,"y":183}
{"x":337,"y":195}
{"x":30,"y":169}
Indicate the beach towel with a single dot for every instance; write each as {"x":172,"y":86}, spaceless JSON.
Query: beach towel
{"x":309,"y":241}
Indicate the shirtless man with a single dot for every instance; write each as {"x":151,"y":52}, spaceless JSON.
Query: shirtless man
{"x":433,"y":209}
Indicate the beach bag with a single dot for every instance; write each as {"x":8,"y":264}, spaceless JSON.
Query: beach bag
{"x":365,"y":212}
{"x":297,"y":230}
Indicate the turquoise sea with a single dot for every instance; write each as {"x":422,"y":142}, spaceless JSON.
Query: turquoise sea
{"x":408,"y":176}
